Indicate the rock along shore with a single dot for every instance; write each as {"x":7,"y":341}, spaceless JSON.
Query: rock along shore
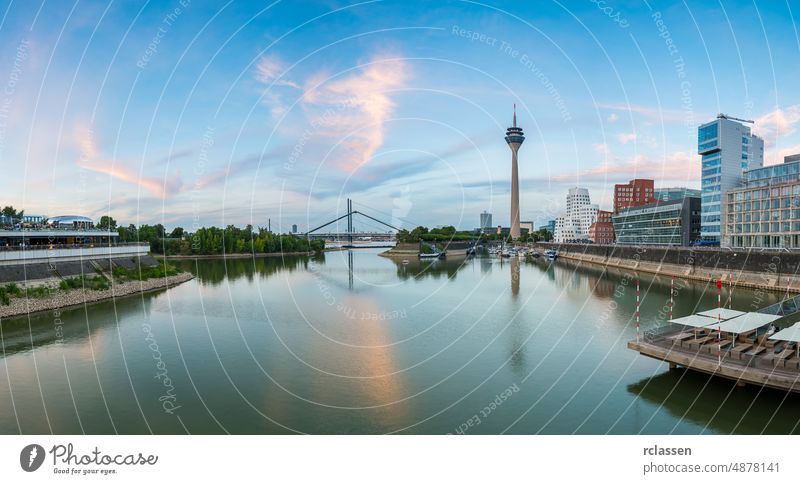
{"x":60,"y":299}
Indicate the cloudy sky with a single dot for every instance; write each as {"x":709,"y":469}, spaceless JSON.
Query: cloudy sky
{"x":213,"y":113}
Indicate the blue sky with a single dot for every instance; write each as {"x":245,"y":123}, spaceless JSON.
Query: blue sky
{"x":215,"y":113}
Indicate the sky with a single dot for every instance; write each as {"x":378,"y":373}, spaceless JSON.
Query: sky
{"x":192,"y":114}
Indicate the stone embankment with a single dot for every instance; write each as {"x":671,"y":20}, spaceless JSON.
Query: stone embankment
{"x":775,"y":270}
{"x":403,"y":250}
{"x":60,"y":299}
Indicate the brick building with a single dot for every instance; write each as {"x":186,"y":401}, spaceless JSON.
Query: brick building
{"x":633,"y":194}
{"x":602,"y":230}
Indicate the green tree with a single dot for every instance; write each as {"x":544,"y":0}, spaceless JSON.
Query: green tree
{"x":12,"y":213}
{"x":107,"y":223}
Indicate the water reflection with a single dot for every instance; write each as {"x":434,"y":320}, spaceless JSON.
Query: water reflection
{"x":514,"y":277}
{"x":366,"y":344}
{"x":43,"y":329}
{"x":415,"y":268}
{"x":718,"y":404}
{"x":214,"y":271}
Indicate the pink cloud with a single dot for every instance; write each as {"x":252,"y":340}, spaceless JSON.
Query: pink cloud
{"x":650,"y":113}
{"x":89,"y":159}
{"x":777,"y":123}
{"x":676,"y":167}
{"x":626,"y":138}
{"x":349,"y":112}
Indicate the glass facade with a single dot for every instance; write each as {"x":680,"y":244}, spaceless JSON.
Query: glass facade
{"x":708,"y":137}
{"x":765,"y":211}
{"x":771,"y":175}
{"x":727,"y":148}
{"x":663,"y":223}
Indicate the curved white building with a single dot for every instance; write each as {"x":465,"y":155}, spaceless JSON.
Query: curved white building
{"x":581,"y":214}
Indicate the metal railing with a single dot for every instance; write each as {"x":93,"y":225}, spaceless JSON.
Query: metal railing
{"x":10,"y":248}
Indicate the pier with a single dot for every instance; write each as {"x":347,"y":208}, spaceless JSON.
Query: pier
{"x":741,"y":346}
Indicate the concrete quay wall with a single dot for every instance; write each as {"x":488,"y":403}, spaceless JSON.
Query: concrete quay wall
{"x":767,"y":269}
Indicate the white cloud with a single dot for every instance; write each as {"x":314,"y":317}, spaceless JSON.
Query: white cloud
{"x":271,"y":70}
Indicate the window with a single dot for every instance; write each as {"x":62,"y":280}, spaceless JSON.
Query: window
{"x":707,"y":133}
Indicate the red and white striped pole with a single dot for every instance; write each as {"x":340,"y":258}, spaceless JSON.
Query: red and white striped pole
{"x":637,"y":310}
{"x":719,"y":321}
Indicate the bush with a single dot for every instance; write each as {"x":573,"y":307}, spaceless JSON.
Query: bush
{"x":13,"y":289}
{"x":37,"y":292}
{"x":80,"y":282}
{"x":144,"y":273}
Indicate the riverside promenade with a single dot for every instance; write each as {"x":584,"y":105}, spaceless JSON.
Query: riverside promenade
{"x":776,"y":270}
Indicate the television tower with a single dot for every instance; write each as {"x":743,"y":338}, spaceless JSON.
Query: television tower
{"x":514,"y":138}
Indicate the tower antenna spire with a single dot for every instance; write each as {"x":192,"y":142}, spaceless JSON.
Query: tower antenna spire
{"x":515,"y":115}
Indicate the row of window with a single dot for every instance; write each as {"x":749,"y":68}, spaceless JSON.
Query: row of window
{"x":786,"y":202}
{"x":781,"y":191}
{"x":773,"y":241}
{"x":772,"y":171}
{"x":764,"y":227}
{"x":766,"y":215}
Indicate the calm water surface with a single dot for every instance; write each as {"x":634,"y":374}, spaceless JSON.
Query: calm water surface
{"x":356,"y":343}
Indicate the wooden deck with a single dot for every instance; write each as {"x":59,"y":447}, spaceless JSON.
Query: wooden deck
{"x":765,"y":368}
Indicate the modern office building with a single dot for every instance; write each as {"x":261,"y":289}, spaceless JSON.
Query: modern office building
{"x":294,"y":228}
{"x":727,"y":148}
{"x":550,"y":226}
{"x":632,"y":194}
{"x":676,"y":222}
{"x":514,"y":138}
{"x":602,"y":230}
{"x":526,"y":226}
{"x":675,"y":193}
{"x":486,"y":221}
{"x":581,"y":214}
{"x":791,"y":158}
{"x":765,"y":210}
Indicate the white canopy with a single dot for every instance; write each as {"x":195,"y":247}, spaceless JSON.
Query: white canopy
{"x":724,"y":313}
{"x":747,"y":322}
{"x":695,"y":321}
{"x":792,"y":333}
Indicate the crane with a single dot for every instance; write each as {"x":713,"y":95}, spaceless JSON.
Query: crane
{"x":725,"y":116}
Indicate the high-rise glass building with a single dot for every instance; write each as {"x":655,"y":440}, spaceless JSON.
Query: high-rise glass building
{"x":486,"y":221}
{"x":727,"y":148}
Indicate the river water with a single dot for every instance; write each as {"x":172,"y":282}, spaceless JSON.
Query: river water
{"x":351,"y":342}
